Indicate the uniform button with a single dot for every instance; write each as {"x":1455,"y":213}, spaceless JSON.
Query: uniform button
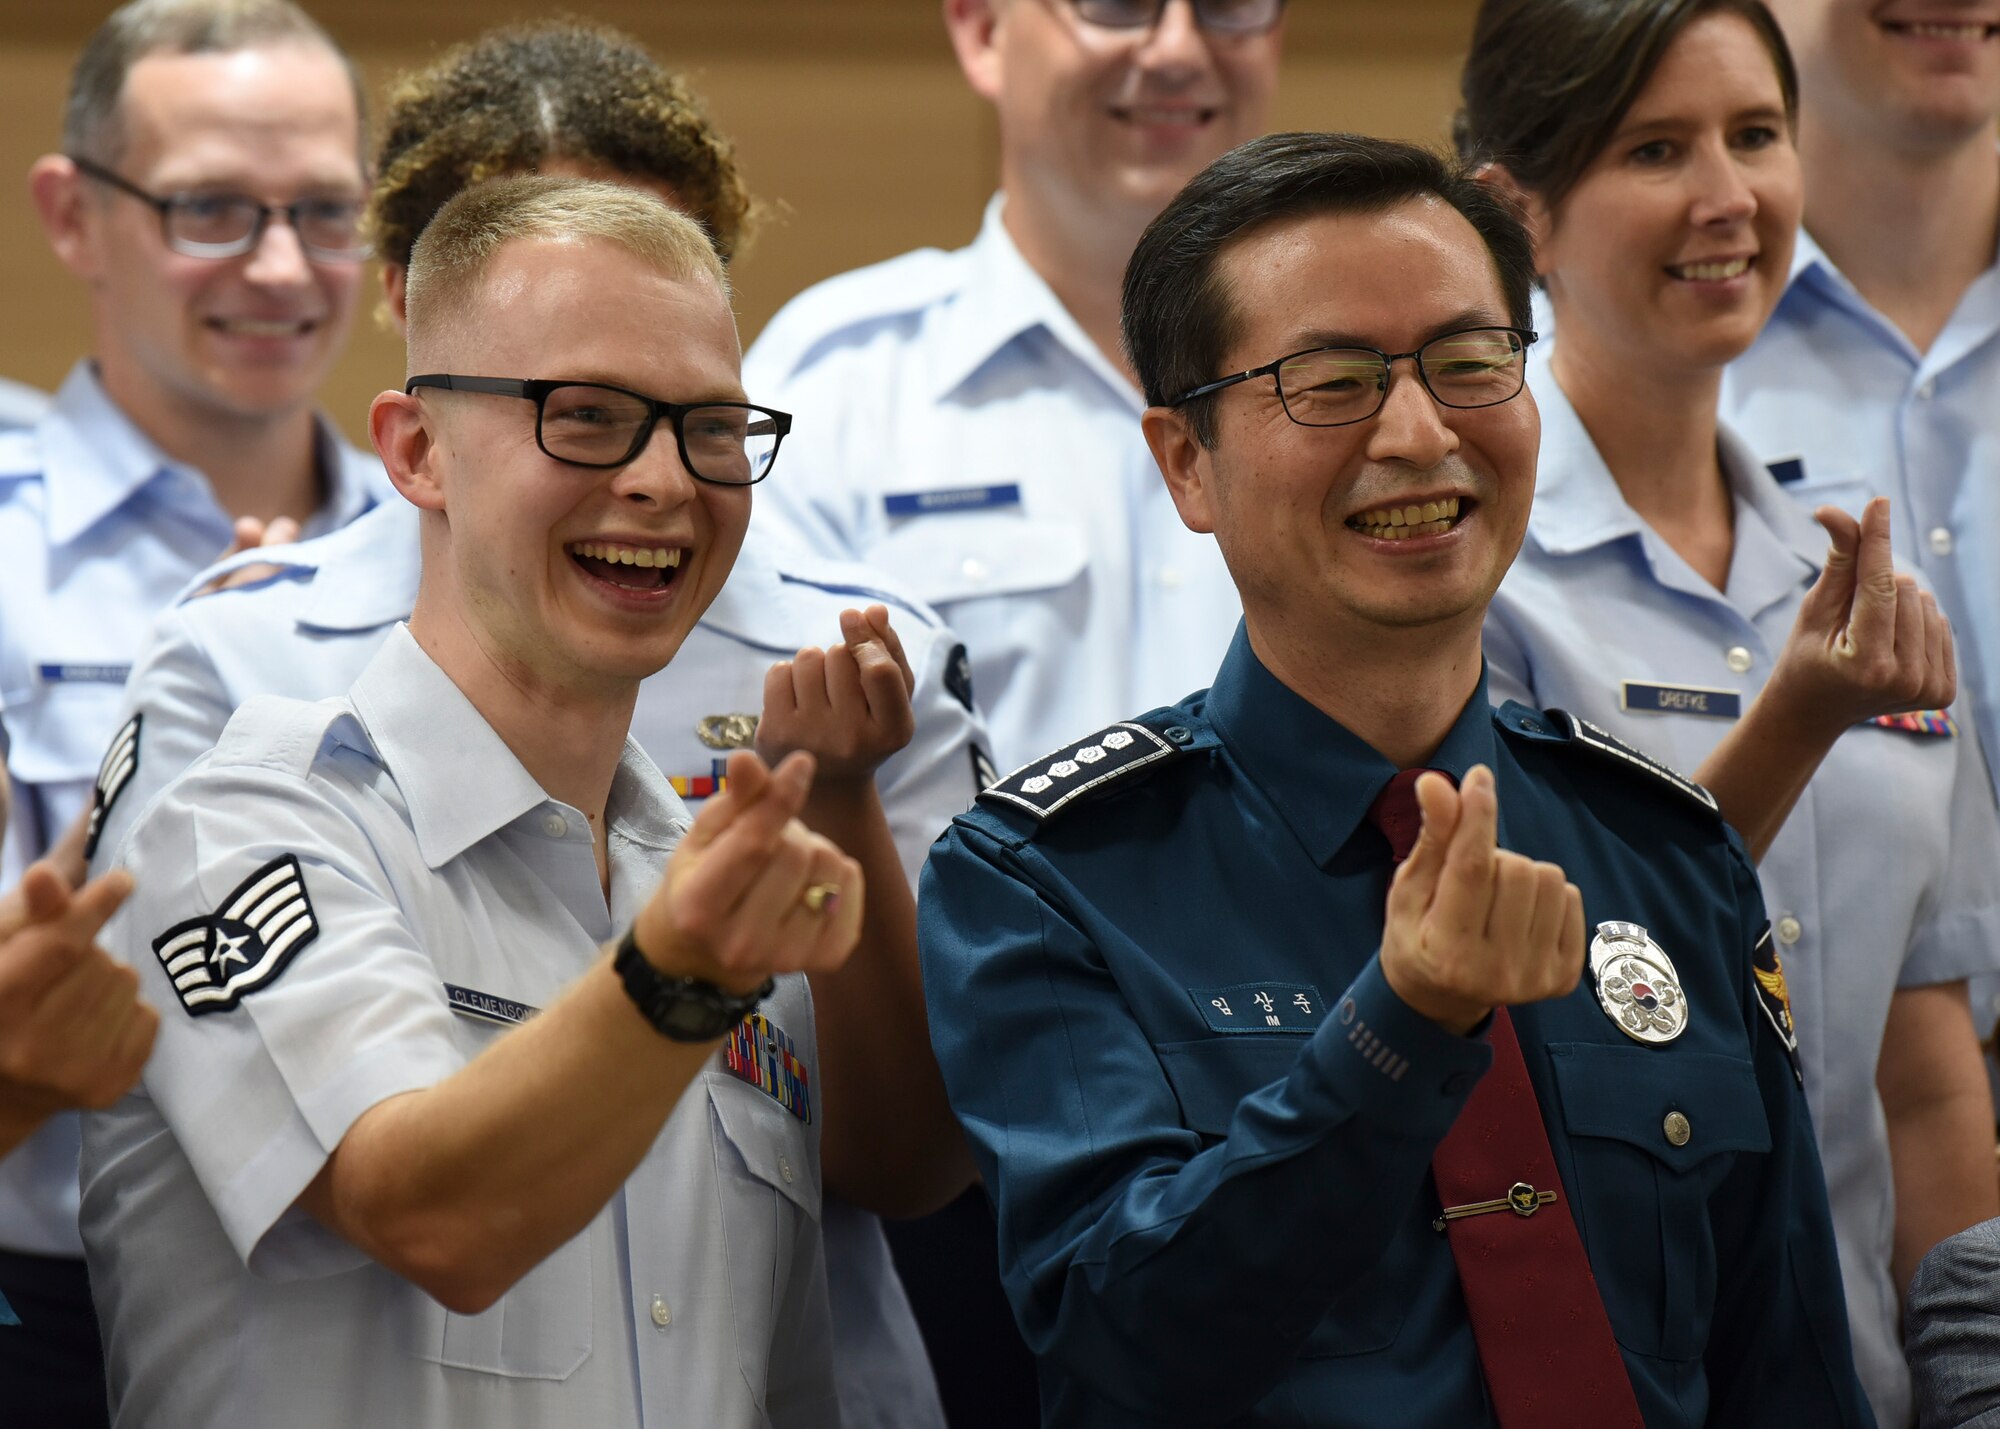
{"x":662,"y":1316}
{"x":1789,"y":930}
{"x":1928,"y":389}
{"x":1677,"y":1129}
{"x":975,"y":570}
{"x":1737,"y":658}
{"x":1941,"y":540}
{"x":785,"y":1167}
{"x":1171,"y":578}
{"x":555,"y":826}
{"x":1178,"y":734}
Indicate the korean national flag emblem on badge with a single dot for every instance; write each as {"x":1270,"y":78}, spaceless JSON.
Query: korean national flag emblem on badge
{"x":218,"y":959}
{"x":1636,"y":984}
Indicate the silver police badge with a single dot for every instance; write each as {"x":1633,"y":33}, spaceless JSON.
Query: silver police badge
{"x":1636,"y":984}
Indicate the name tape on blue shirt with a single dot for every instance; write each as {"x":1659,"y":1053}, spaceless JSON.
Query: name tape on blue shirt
{"x":470,"y":1002}
{"x":952,"y":498}
{"x":1680,"y":699}
{"x":1787,"y":471}
{"x":1260,"y":1007}
{"x":83,"y":674}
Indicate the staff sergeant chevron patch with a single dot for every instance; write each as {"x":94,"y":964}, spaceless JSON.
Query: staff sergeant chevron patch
{"x":217,"y":960}
{"x":121,"y":762}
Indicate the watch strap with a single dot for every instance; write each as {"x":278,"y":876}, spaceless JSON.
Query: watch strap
{"x":685,"y":1009}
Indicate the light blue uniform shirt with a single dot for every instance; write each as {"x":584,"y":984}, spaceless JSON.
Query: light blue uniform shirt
{"x":445,"y":887}
{"x":1887,"y":873}
{"x":1836,"y":399}
{"x":307,"y":633}
{"x":99,"y":529}
{"x":20,"y":404}
{"x":957,"y":430}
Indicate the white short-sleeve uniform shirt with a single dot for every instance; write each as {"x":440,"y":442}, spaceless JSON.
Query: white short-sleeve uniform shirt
{"x":99,"y":530}
{"x":310,"y":628}
{"x":334,"y":907}
{"x":957,"y":429}
{"x":1887,"y":873}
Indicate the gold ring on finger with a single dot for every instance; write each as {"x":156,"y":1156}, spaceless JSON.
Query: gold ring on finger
{"x":819,"y":897}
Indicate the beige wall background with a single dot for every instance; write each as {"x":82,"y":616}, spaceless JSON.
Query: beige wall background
{"x":849,"y":116}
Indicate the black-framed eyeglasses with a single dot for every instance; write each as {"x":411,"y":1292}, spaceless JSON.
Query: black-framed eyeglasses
{"x":226,"y":225}
{"x":1334,"y":386}
{"x":1224,"y":17}
{"x":597,"y":425}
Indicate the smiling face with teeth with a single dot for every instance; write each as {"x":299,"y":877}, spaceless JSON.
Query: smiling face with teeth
{"x":1921,"y":74}
{"x":565,"y":577}
{"x":1670,"y":251}
{"x":1392,"y":530}
{"x":185,"y":342}
{"x":1102,"y":125}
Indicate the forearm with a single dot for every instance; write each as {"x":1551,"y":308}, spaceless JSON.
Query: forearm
{"x":22,"y":1109}
{"x":1763,"y":765}
{"x":1940,"y":1118}
{"x":890,"y":1144}
{"x":466,"y":1186}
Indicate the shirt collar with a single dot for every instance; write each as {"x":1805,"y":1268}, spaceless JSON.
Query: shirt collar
{"x":457,"y":777}
{"x":363,"y":576}
{"x":1002,"y":298}
{"x":1321,"y":777}
{"x":103,"y":460}
{"x":1577,"y":501}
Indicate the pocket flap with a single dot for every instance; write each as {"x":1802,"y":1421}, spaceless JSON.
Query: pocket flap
{"x":60,"y":736}
{"x":771,"y":1141}
{"x":1628,"y":1093}
{"x":966,"y":555}
{"x":1212,"y":1075}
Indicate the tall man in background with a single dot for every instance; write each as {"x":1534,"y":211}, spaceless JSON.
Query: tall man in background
{"x":1878,"y":372}
{"x":969,"y":423}
{"x":208,"y":194}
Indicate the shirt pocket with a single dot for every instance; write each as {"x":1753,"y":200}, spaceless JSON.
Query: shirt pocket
{"x":1640,"y":1202}
{"x":540,"y":1329}
{"x":1210,"y":1078}
{"x":60,"y":735}
{"x":967,"y":556}
{"x":769,"y":1188}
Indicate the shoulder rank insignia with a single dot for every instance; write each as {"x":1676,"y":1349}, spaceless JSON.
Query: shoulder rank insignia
{"x":1636,"y":984}
{"x":1044,"y":785}
{"x":121,"y":762}
{"x":218,"y":959}
{"x":1603,"y":742}
{"x":1775,"y":998}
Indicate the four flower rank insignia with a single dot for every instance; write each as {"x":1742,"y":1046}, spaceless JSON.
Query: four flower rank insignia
{"x":218,"y":959}
{"x":1045,"y":785}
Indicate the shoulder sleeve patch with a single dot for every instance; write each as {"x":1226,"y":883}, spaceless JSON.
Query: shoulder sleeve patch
{"x":1583,"y":734}
{"x":218,"y":959}
{"x":121,"y":762}
{"x":1043,"y":786}
{"x":1776,"y":998}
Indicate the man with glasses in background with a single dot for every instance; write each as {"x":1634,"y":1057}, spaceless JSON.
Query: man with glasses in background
{"x":1262,"y":1014}
{"x":209,"y":195}
{"x":970,"y":425}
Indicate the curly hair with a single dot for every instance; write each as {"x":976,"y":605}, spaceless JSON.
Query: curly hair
{"x":523,"y":95}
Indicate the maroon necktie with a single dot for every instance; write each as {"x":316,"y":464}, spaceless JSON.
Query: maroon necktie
{"x":1545,"y":1343}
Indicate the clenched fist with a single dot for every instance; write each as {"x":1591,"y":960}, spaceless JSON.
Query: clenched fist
{"x":1471,"y":926}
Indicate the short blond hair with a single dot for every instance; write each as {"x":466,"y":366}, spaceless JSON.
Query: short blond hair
{"x":452,"y":255}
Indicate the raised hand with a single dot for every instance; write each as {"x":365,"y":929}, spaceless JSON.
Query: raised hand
{"x":249,"y":534}
{"x":751,"y":892}
{"x":1867,"y":641}
{"x":848,"y":705}
{"x":1470,"y":925}
{"x":73,"y":1030}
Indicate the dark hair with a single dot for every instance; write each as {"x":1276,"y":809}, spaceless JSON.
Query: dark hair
{"x":179,"y":27}
{"x":1548,"y":82}
{"x":521,"y":95}
{"x":1179,"y":319}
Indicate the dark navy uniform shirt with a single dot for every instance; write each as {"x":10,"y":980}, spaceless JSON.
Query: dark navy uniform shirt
{"x":1207,"y":1123}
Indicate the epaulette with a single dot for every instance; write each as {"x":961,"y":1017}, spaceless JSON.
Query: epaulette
{"x":1113,"y":754}
{"x":1560,"y":726}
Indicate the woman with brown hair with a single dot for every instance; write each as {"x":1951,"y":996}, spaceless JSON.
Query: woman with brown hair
{"x":1650,"y":145}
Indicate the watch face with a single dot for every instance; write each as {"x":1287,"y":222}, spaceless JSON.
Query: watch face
{"x":696,"y":1018}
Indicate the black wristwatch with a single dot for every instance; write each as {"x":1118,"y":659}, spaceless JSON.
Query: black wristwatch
{"x":683,"y":1008}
